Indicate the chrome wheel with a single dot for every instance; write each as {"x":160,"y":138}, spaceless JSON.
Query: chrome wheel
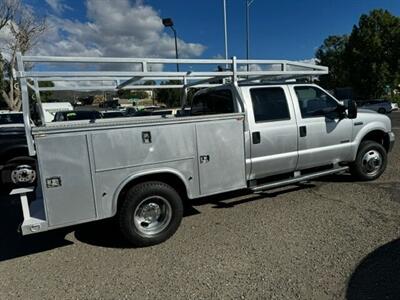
{"x":152,"y":215}
{"x":23,"y":174}
{"x":372,"y":162}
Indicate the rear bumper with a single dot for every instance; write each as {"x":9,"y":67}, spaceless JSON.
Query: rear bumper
{"x":391,"y":140}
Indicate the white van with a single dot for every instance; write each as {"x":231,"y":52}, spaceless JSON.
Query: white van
{"x":50,"y":109}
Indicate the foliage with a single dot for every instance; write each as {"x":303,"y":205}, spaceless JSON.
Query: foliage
{"x":331,"y":54}
{"x":170,"y":97}
{"x":25,"y":27}
{"x":137,"y":94}
{"x":368,"y":59}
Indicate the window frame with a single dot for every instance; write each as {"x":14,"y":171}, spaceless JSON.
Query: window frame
{"x":275,"y":120}
{"x":317,"y":88}
{"x":207,"y":93}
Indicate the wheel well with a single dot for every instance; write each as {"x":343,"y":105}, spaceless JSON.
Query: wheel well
{"x":378,"y":136}
{"x":169,"y":178}
{"x":14,"y":152}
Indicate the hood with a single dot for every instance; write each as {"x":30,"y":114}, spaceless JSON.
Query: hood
{"x":370,"y":116}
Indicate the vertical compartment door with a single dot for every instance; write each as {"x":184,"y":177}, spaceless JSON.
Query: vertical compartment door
{"x":66,"y":178}
{"x":221,"y":155}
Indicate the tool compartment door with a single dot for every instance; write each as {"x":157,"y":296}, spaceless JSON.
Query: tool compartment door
{"x":221,"y":157}
{"x":66,"y":178}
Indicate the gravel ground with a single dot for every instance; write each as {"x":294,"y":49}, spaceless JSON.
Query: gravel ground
{"x":332,"y":238}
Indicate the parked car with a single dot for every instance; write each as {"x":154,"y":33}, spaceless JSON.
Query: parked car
{"x":395,"y":106}
{"x":76,"y":115}
{"x":112,"y":114}
{"x":381,"y":106}
{"x":16,"y":166}
{"x":51,"y":108}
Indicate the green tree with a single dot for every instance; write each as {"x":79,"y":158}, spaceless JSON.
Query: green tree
{"x":368,"y":60}
{"x":373,"y":53}
{"x":331,"y":54}
{"x":171,"y":97}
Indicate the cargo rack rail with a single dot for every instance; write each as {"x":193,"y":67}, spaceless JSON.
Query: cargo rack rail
{"x":234,"y":71}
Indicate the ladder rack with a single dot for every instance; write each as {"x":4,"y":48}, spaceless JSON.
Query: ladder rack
{"x":108,"y":69}
{"x":113,"y":74}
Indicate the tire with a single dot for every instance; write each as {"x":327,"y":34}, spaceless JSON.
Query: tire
{"x":22,"y":169}
{"x":382,"y":110}
{"x":370,"y":162}
{"x":150,"y":214}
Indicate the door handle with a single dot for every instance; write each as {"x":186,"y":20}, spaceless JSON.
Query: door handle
{"x":256,"y":137}
{"x":303,"y":131}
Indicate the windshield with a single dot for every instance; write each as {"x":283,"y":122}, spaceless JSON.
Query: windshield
{"x":11,"y":119}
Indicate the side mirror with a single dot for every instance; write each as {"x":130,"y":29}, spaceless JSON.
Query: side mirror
{"x":352,"y":109}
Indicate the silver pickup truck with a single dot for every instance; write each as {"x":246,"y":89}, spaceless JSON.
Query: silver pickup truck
{"x":239,"y":133}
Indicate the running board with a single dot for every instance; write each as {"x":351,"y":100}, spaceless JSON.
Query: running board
{"x":297,"y":179}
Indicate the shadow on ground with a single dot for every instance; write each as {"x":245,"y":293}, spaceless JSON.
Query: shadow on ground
{"x":13,"y":244}
{"x":103,"y":233}
{"x":378,"y":275}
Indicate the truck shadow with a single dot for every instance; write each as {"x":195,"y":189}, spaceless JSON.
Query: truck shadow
{"x":106,"y":234}
{"x":13,"y":244}
{"x":378,"y":275}
{"x":103,"y":233}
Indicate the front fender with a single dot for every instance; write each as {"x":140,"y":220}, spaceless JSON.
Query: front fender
{"x":359,"y":135}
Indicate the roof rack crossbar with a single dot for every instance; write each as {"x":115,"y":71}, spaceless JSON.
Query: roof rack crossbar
{"x":129,"y":81}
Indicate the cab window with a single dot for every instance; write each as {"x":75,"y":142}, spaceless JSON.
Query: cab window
{"x":314,"y":102}
{"x":269,"y":104}
{"x":214,"y":102}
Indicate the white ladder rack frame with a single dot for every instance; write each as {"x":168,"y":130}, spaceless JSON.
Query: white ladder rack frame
{"x":118,"y":80}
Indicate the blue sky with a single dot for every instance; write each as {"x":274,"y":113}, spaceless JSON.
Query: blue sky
{"x":285,"y":29}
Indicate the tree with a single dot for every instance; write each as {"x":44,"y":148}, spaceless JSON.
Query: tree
{"x":373,"y":53}
{"x":368,"y":59}
{"x":171,"y":97}
{"x":24,"y":28}
{"x":8,"y":9}
{"x":331,"y":54}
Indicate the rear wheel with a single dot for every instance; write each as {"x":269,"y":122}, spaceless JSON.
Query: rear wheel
{"x":150,"y":214}
{"x":370,"y":162}
{"x":19,"y":172}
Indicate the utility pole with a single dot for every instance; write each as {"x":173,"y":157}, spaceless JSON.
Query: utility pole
{"x":248,"y":4}
{"x":225,"y":31}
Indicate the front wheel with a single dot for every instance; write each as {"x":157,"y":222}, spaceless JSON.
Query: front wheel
{"x":370,"y":162}
{"x":150,"y":214}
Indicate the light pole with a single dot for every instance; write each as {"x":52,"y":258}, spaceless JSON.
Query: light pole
{"x":167,"y":22}
{"x":248,"y":4}
{"x":225,"y":31}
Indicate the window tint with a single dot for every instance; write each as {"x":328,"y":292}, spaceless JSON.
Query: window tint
{"x":11,"y":119}
{"x":215,"y":102}
{"x":314,"y":102}
{"x":269,"y":104}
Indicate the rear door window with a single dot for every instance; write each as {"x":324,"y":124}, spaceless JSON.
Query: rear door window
{"x":269,"y":104}
{"x":214,"y":102}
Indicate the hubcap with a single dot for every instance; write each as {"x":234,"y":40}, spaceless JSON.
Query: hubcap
{"x":152,"y":215}
{"x":23,"y":174}
{"x":372,"y":162}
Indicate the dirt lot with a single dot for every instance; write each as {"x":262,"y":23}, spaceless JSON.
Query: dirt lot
{"x":332,"y":238}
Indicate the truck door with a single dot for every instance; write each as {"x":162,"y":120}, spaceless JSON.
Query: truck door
{"x":324,"y":135}
{"x":273,"y":130}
